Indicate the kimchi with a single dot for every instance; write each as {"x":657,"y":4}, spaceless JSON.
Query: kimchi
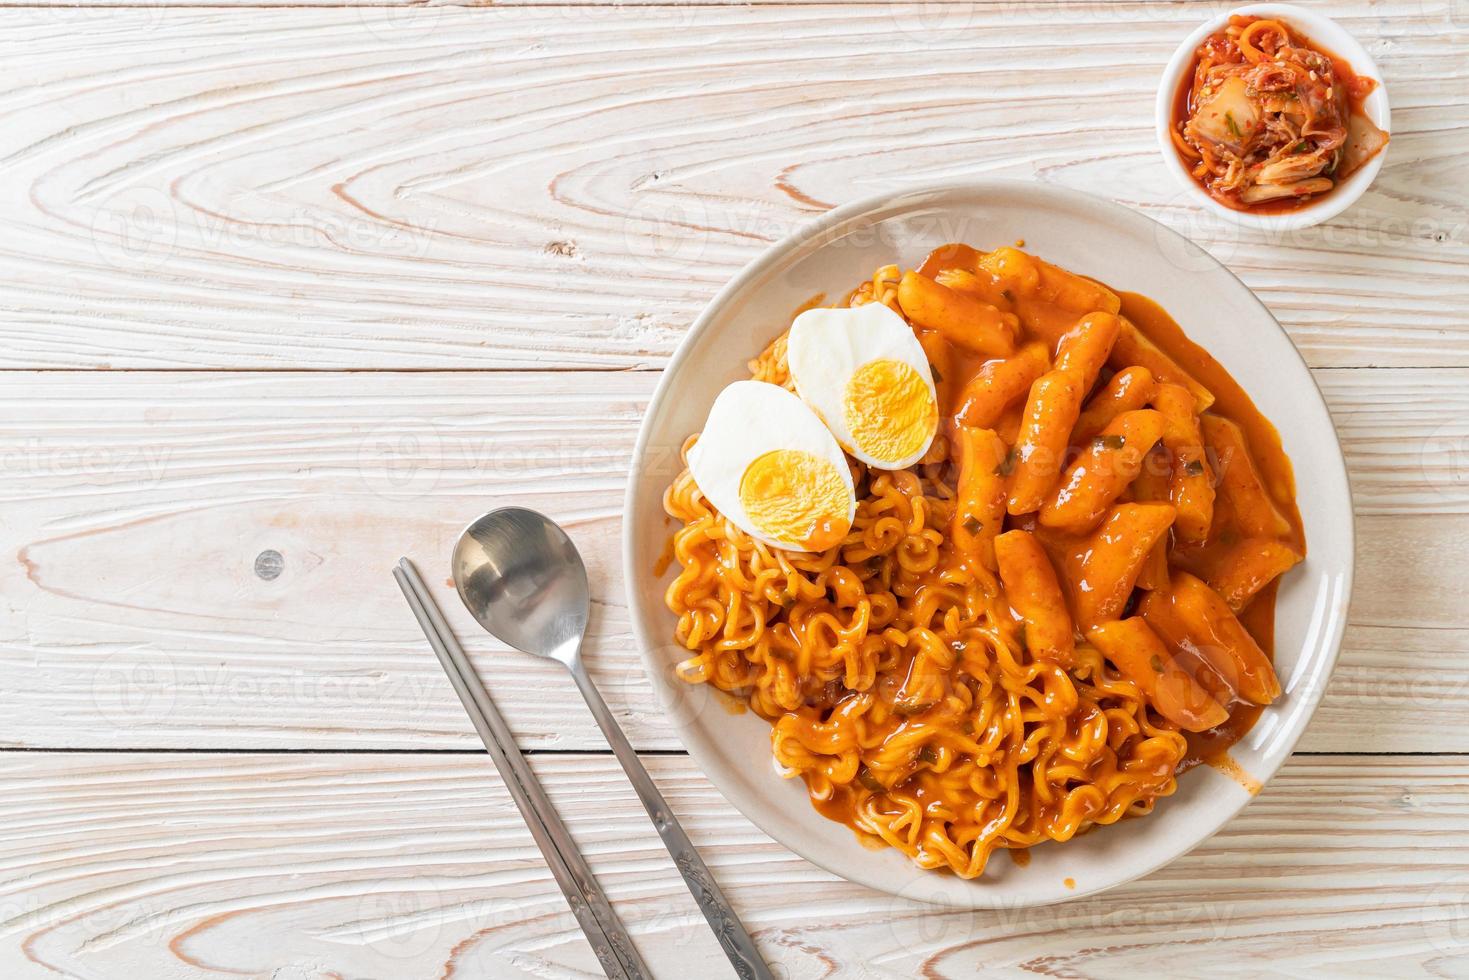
{"x":1268,"y":120}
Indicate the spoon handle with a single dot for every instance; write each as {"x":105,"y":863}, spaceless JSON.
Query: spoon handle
{"x":611,"y":943}
{"x":737,"y":944}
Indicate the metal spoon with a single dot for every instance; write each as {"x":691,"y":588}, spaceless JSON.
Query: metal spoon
{"x":523,"y":579}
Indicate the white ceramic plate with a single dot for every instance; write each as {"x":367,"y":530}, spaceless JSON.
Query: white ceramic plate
{"x":1091,"y":236}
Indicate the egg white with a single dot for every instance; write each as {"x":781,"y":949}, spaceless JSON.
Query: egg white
{"x":748,"y":420}
{"x":827,"y":346}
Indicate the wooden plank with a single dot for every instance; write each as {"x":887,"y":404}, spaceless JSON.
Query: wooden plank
{"x":136,"y":507}
{"x":978,"y":6}
{"x":566,"y":187}
{"x":419,"y":866}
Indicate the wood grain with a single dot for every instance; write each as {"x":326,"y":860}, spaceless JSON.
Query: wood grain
{"x":369,"y":267}
{"x":136,"y":506}
{"x":566,"y":187}
{"x":419,"y":866}
{"x":981,"y":7}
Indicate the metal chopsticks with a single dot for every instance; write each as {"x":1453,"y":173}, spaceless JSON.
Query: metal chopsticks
{"x":609,"y":939}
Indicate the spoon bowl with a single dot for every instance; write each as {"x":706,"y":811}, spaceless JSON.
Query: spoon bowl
{"x":524,"y":581}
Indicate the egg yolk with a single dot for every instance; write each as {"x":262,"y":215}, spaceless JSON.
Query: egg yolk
{"x":796,"y":497}
{"x":890,"y":410}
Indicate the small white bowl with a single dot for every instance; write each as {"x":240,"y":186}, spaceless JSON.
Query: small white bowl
{"x":1127,"y":251}
{"x":1331,"y":36}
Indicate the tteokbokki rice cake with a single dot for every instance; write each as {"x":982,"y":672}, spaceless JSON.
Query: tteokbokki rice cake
{"x":994,"y":550}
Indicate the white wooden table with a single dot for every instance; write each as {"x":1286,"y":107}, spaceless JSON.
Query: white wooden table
{"x":288,"y":291}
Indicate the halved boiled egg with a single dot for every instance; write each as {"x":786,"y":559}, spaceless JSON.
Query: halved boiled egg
{"x":765,"y":461}
{"x":865,"y":373}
